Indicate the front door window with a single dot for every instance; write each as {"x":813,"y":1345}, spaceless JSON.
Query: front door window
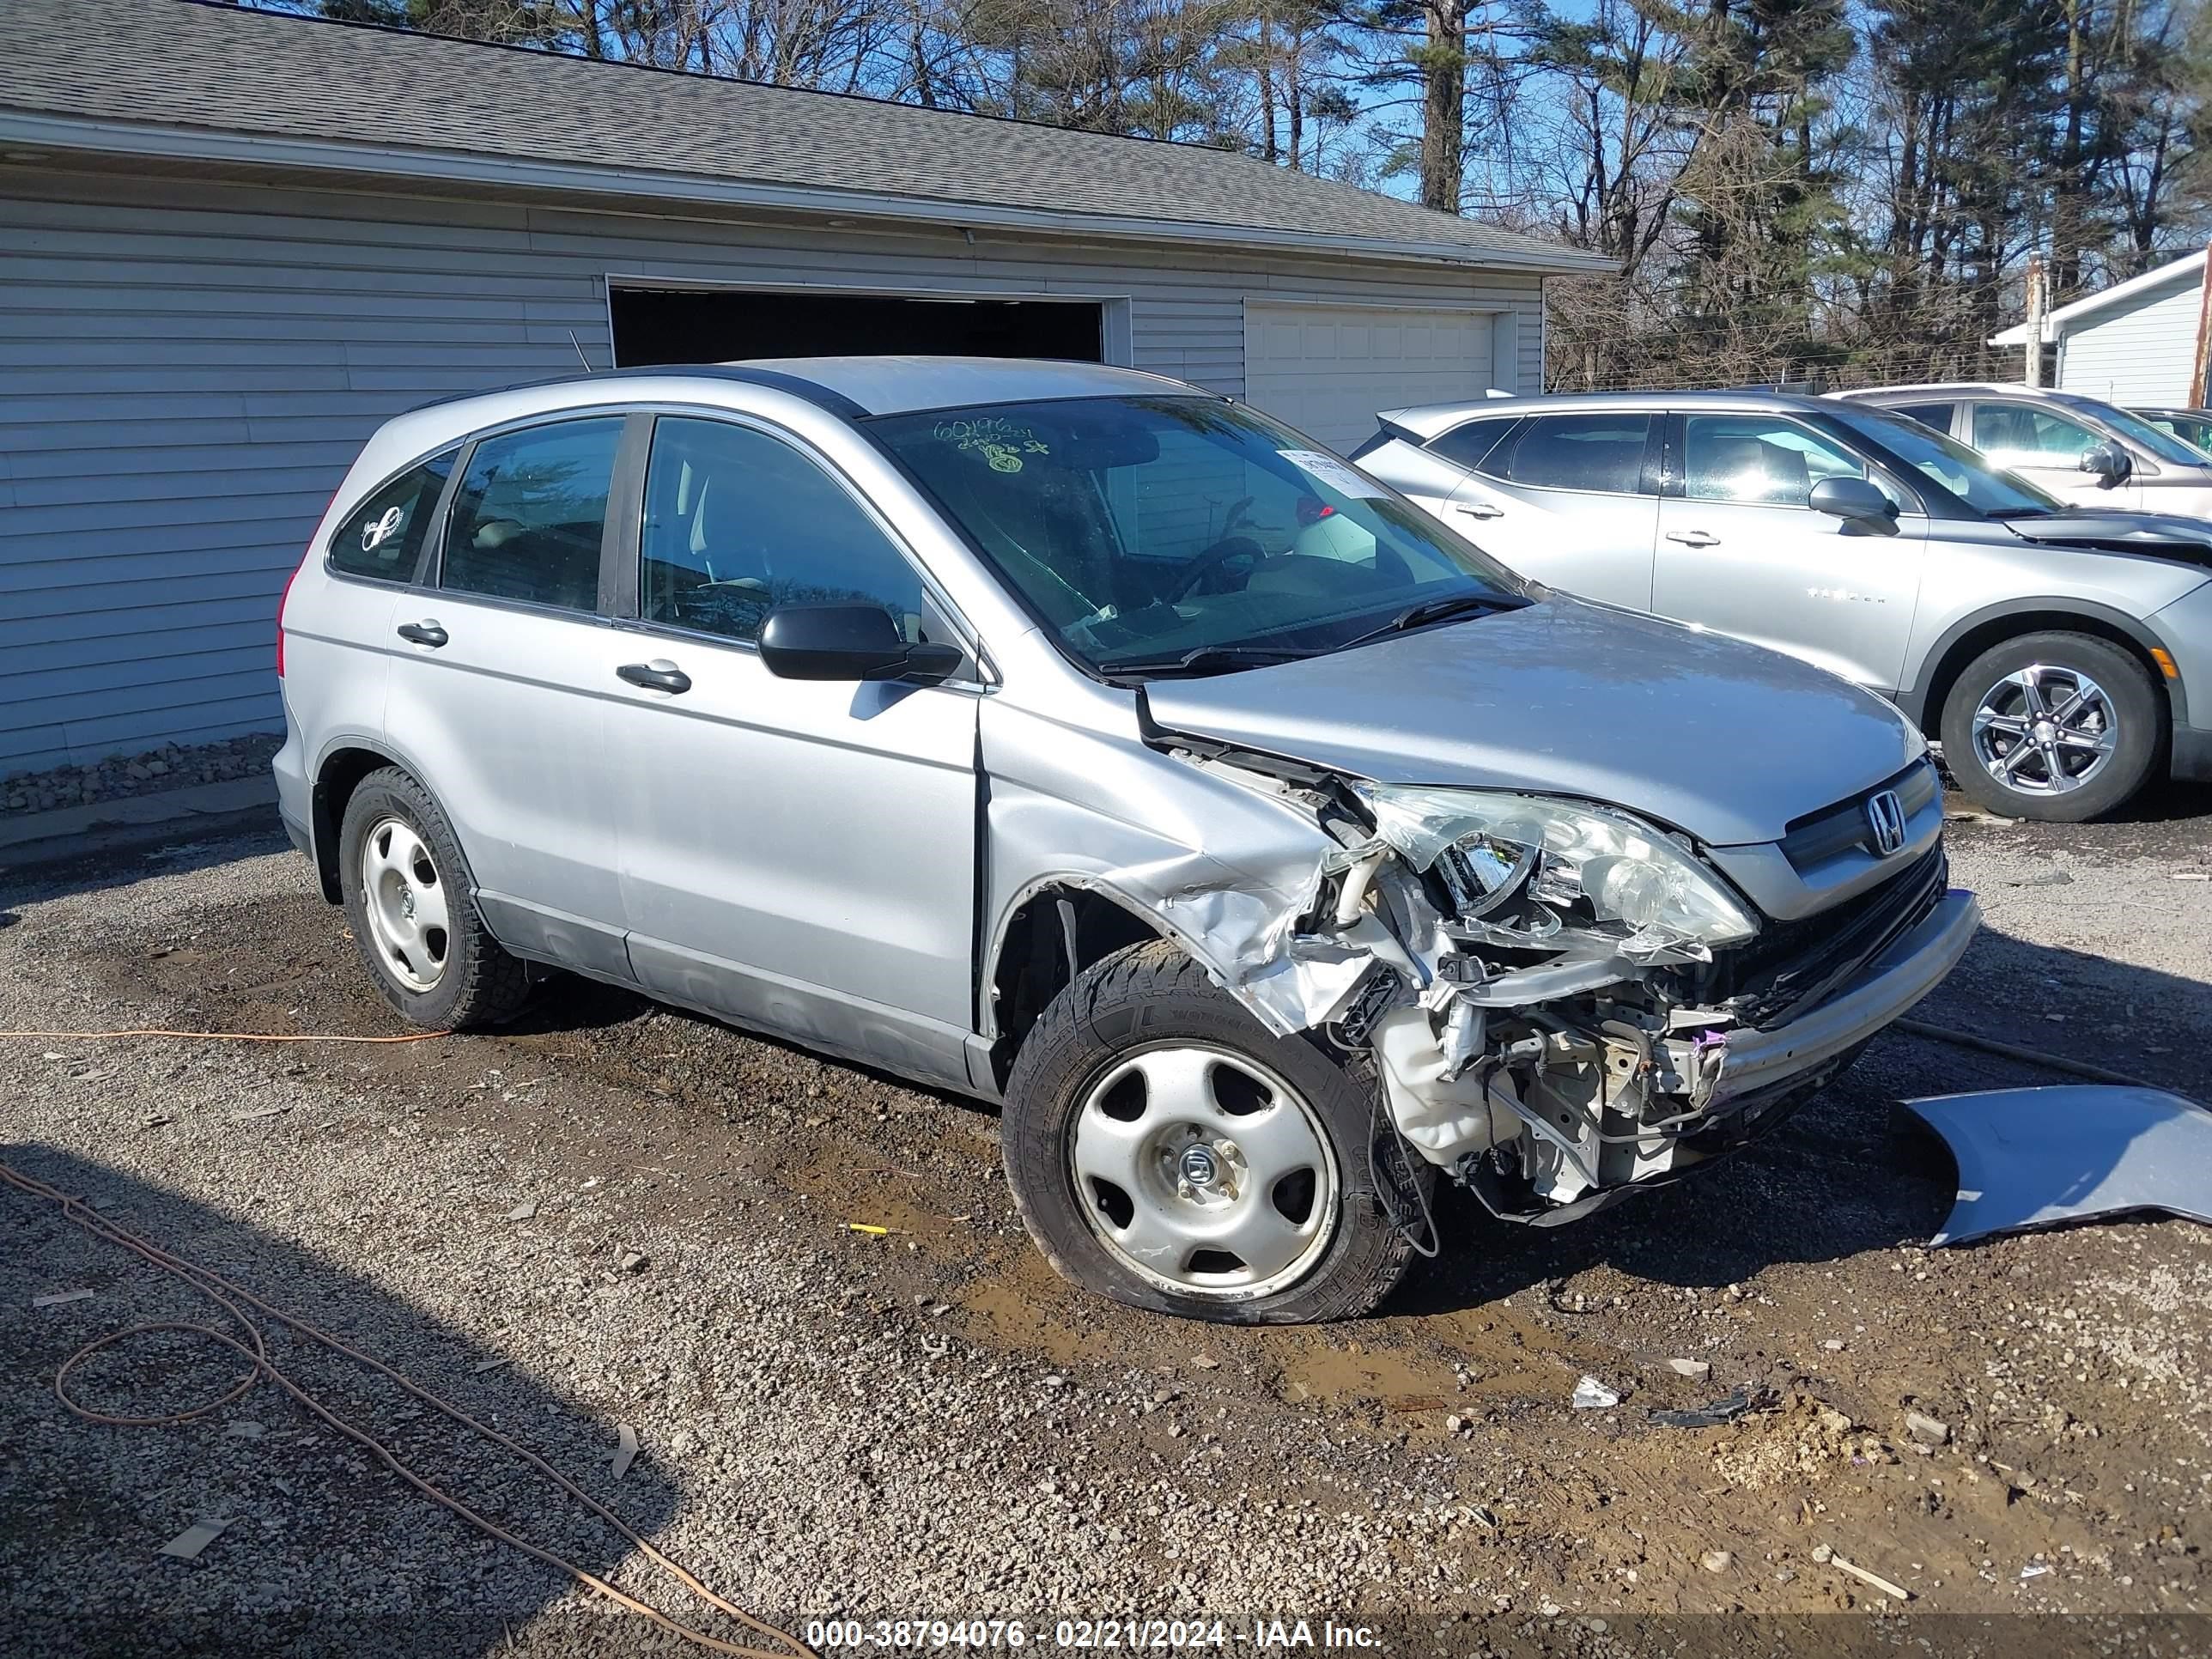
{"x":2016,"y":434}
{"x":1761,"y":460}
{"x":738,"y":522}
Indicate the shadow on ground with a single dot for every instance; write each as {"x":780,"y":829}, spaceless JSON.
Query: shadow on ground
{"x":327,"y":1552}
{"x":102,"y":868}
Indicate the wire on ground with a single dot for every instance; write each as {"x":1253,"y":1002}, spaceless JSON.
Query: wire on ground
{"x":227,"y":1296}
{"x":2029,"y":1056}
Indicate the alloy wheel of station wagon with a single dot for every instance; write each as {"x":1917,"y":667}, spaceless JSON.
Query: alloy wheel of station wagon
{"x":2054,"y":726}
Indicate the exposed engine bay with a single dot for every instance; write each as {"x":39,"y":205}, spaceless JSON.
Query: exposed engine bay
{"x":1549,"y":989}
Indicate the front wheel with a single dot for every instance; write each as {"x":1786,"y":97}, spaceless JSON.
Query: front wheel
{"x":2056,"y":727}
{"x":1167,"y":1150}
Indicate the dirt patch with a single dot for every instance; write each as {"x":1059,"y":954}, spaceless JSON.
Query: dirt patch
{"x":962,"y":1407}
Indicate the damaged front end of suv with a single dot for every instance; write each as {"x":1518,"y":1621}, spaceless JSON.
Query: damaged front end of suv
{"x":1322,"y":857}
{"x":1563,"y":1002}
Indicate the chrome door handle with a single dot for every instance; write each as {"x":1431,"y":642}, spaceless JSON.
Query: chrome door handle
{"x":1479,"y":509}
{"x":1693,"y":537}
{"x":426,"y":632}
{"x":659,"y":675}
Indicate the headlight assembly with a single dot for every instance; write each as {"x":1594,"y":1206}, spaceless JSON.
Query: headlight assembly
{"x":1559,"y":875}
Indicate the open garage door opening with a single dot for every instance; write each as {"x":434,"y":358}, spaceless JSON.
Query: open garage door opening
{"x":721,"y":326}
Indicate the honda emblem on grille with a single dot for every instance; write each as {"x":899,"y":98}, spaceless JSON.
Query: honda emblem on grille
{"x":1885,"y":818}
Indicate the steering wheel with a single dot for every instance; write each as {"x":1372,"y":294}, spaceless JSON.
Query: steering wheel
{"x":1211,"y":560}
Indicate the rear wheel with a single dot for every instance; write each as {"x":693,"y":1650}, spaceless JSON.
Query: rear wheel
{"x":1167,"y":1150}
{"x":2052,"y":725}
{"x":409,"y":901}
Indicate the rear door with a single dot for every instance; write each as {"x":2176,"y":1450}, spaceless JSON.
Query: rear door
{"x":1741,"y":549}
{"x":495,"y":698}
{"x":338,"y":635}
{"x":1571,"y":500}
{"x":1432,"y":474}
{"x":799,"y":856}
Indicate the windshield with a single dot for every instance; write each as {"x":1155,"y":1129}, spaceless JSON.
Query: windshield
{"x":1143,"y":530}
{"x":1965,"y":473}
{"x":2164,"y":445}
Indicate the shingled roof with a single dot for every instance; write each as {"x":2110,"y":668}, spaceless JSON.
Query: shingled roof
{"x":211,"y":81}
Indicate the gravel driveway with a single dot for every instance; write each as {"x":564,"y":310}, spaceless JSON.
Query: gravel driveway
{"x":614,"y":1214}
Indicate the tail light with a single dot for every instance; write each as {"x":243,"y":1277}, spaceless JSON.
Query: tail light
{"x":282,"y":602}
{"x":285,"y":598}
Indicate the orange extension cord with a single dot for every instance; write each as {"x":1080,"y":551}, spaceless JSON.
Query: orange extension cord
{"x":219,"y":1037}
{"x":227,"y":1296}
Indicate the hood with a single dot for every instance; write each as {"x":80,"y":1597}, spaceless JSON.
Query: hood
{"x":2157,"y":535}
{"x":1725,"y":740}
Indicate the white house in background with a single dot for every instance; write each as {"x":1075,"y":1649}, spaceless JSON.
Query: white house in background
{"x":2134,"y":343}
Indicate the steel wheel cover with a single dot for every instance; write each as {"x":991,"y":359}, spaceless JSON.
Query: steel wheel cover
{"x":2045,"y":730}
{"x":405,"y":898}
{"x":1204,"y":1172}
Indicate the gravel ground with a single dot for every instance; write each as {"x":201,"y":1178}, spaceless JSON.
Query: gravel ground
{"x":925,"y":1423}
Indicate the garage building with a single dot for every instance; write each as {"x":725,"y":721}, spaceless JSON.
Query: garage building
{"x":231,"y":242}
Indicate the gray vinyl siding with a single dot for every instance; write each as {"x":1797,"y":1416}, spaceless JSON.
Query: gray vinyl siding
{"x":2138,"y":351}
{"x":187,"y":367}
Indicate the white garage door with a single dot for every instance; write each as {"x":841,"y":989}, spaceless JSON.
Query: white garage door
{"x":1326,"y":370}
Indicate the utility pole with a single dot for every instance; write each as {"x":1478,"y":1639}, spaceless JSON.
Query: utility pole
{"x":2200,"y":372}
{"x":2035,"y":304}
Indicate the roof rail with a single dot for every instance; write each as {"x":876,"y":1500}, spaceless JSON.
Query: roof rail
{"x":836,"y":402}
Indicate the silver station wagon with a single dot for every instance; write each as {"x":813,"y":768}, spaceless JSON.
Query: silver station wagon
{"x":1082,"y":741}
{"x":2061,"y":653}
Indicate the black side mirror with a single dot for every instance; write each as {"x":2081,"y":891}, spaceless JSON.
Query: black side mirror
{"x":848,"y":642}
{"x":2112,"y":464}
{"x":1858,"y":500}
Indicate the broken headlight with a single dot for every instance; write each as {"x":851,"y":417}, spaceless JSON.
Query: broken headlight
{"x":1525,"y":871}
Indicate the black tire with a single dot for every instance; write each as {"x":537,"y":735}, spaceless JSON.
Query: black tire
{"x":2138,"y":717}
{"x":480,"y":984}
{"x":1153,"y":995}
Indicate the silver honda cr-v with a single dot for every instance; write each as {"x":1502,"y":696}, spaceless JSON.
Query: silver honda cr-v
{"x":1075,"y":738}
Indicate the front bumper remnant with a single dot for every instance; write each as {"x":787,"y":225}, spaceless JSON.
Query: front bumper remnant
{"x":2039,"y":1157}
{"x":1591,"y":1114}
{"x":1528,"y":1041}
{"x":1901,"y":976}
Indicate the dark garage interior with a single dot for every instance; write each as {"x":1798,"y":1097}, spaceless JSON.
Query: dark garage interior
{"x":696,"y":325}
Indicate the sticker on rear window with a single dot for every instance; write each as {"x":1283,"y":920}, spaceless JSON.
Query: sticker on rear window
{"x":1335,"y":474}
{"x":373,"y":533}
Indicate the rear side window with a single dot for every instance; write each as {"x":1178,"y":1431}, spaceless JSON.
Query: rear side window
{"x":384,"y":536}
{"x":530,"y":515}
{"x":1578,"y":452}
{"x":1936,"y":415}
{"x":1469,"y":445}
{"x":737,"y":522}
